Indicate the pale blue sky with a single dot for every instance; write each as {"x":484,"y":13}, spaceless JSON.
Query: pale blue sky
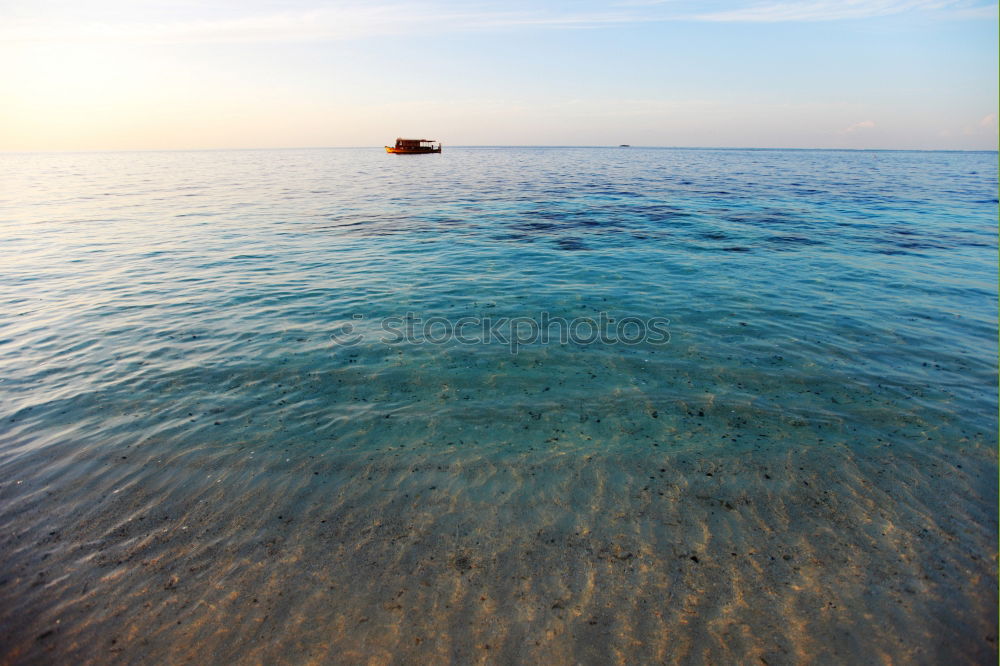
{"x":854,"y":74}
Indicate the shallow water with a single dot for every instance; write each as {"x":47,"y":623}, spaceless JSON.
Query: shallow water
{"x":211,"y":447}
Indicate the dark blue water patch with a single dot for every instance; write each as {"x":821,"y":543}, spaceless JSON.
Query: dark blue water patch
{"x":922,"y":245}
{"x":794,"y":240}
{"x":875,"y":238}
{"x":571,"y":244}
{"x":522,"y":238}
{"x":769,"y":219}
{"x":657,"y":214}
{"x":805,"y":191}
{"x":536,"y":226}
{"x":348,"y":224}
{"x":594,"y":219}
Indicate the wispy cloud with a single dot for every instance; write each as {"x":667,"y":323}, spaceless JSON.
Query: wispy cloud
{"x":836,"y":10}
{"x":856,"y":127}
{"x":991,"y":12}
{"x":811,"y":10}
{"x":359,"y":20}
{"x":341,"y":22}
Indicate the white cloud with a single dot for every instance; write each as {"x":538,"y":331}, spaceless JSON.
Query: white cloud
{"x":863,"y":125}
{"x":987,"y":125}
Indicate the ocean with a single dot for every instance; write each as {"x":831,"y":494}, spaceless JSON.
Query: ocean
{"x":498,"y":405}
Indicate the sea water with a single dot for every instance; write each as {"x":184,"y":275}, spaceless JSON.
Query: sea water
{"x":589,"y":405}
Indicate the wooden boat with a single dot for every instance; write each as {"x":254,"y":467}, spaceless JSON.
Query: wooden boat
{"x":414,"y":147}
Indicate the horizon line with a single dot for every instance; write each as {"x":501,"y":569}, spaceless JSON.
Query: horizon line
{"x":373,"y":147}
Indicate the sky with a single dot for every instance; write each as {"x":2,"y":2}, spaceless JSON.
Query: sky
{"x":187,"y":74}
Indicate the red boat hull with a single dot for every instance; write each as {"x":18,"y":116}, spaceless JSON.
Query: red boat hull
{"x":411,"y":151}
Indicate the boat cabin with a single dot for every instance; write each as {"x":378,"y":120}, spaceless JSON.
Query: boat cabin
{"x":414,"y":146}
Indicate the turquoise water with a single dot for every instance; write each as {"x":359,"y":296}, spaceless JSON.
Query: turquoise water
{"x":211,"y":445}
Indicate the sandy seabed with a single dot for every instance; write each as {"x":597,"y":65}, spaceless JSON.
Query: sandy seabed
{"x":569,"y":555}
